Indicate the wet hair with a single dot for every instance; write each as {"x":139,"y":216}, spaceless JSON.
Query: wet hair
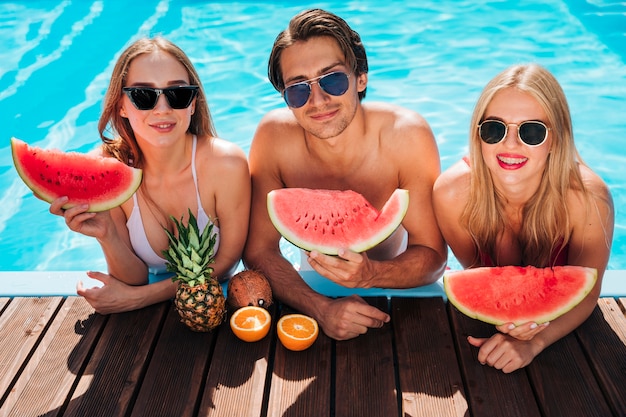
{"x":122,"y":144}
{"x":313,"y":23}
{"x":545,"y":228}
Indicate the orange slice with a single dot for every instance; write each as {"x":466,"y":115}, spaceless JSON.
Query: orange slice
{"x":250,"y":323}
{"x":297,"y":331}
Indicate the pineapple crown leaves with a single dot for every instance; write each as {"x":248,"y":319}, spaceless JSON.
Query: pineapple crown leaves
{"x":189,"y":255}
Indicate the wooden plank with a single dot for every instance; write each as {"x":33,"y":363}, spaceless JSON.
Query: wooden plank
{"x":110,"y":382}
{"x":236,"y":379}
{"x":490,"y":392}
{"x":429,"y":375}
{"x":21,"y":326}
{"x":177,"y":370}
{"x":564,"y":383}
{"x":603,"y":337}
{"x":622,"y":303}
{"x":365,"y":371}
{"x":3,"y":301}
{"x":48,"y":378}
{"x":301,"y":381}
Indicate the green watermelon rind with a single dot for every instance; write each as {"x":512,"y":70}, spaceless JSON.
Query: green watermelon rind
{"x":399,"y":196}
{"x":590,"y":274}
{"x":104,"y":204}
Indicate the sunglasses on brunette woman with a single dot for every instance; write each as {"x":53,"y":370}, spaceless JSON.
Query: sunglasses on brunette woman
{"x":145,"y":98}
{"x":531,"y":132}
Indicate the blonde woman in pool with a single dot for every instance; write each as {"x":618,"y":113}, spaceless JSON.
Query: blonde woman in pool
{"x":525,"y":197}
{"x":157,"y":110}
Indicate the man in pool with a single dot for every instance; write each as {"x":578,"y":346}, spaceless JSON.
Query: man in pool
{"x":328,"y":139}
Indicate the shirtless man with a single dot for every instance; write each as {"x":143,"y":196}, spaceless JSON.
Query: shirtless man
{"x":327,"y":139}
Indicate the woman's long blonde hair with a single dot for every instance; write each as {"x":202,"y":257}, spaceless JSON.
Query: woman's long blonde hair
{"x":122,"y":143}
{"x":545,"y":228}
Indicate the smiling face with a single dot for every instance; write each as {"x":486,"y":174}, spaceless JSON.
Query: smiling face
{"x":323,"y":115}
{"x":162,"y":125}
{"x":513,"y":164}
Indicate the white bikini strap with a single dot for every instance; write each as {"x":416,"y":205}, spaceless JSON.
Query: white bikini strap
{"x":193,"y":170}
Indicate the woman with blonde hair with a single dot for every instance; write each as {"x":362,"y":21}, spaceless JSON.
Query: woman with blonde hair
{"x":525,"y":197}
{"x":156,"y":117}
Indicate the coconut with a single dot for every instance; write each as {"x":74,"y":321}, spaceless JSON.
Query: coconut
{"x":249,"y":288}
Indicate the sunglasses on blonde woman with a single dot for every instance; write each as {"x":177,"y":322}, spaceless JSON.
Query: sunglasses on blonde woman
{"x":531,"y":132}
{"x":145,"y":98}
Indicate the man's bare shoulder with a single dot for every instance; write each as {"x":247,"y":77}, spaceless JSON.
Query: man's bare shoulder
{"x":277,"y":119}
{"x":398,"y":116}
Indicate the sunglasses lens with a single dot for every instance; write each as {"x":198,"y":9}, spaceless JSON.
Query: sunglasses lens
{"x":297,"y":95}
{"x":335,"y":83}
{"x":143,"y":98}
{"x":180,"y":97}
{"x":532,"y":133}
{"x":492,"y":131}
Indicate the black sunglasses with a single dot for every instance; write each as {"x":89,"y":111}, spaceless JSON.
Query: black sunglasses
{"x":531,"y":132}
{"x":145,"y":98}
{"x":334,"y":83}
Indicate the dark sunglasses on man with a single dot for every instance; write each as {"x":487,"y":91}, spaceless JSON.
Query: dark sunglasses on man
{"x":145,"y":98}
{"x":334,"y":83}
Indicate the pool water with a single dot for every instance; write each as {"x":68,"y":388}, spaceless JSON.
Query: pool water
{"x":57,"y":56}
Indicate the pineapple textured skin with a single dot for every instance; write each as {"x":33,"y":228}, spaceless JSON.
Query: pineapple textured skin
{"x":199,"y":300}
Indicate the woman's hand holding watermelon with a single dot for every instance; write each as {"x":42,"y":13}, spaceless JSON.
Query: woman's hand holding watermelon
{"x":525,"y":331}
{"x":79,"y":220}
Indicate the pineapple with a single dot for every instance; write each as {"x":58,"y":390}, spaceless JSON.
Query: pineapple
{"x":199,"y":298}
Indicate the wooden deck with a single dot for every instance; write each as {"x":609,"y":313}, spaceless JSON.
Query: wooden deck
{"x":58,"y":358}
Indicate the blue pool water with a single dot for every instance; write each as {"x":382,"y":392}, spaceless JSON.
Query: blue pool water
{"x":57,"y":56}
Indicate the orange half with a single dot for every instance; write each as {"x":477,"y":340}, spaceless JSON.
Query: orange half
{"x":251,"y":323}
{"x":297,"y":331}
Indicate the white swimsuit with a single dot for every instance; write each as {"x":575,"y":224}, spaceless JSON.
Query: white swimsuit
{"x":138,"y":238}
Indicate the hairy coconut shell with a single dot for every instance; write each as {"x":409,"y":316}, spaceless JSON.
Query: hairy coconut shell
{"x":249,"y":288}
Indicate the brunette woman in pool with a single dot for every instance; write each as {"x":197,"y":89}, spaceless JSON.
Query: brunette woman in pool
{"x":159,"y":119}
{"x":525,"y":197}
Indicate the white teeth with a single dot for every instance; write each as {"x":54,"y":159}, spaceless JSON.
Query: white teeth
{"x":163,"y":126}
{"x":512,"y":161}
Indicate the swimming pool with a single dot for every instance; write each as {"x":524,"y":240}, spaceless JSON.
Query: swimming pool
{"x":435,"y":58}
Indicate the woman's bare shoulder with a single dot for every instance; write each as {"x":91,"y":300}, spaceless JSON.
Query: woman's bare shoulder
{"x":452,"y":186}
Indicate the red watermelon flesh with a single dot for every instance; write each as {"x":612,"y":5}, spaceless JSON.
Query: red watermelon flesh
{"x":515,"y":294}
{"x":327,"y":220}
{"x":101,"y":182}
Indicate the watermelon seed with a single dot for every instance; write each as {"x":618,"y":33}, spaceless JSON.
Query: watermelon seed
{"x":298,"y":219}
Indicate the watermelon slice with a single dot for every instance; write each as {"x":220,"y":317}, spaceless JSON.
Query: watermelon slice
{"x":103,"y":183}
{"x":515,"y":294}
{"x":327,"y":220}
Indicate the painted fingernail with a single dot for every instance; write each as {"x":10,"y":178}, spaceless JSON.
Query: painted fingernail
{"x":533,"y":326}
{"x":511,"y":326}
